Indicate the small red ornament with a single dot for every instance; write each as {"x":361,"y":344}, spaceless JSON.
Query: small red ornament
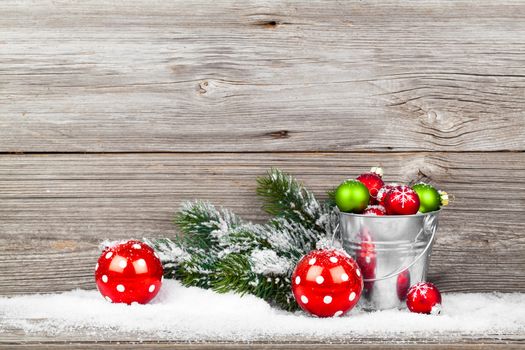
{"x":401,"y":200}
{"x":128,"y":272}
{"x":372,"y":180}
{"x":402,"y":285}
{"x":381,"y":194}
{"x":374,"y":210}
{"x":327,"y":283}
{"x":366,"y":259}
{"x":424,"y":298}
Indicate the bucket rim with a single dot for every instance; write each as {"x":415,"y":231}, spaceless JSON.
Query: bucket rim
{"x":435,"y":212}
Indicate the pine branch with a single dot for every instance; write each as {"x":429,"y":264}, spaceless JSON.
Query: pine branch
{"x":219,"y":251}
{"x":330,"y":201}
{"x":203,"y":224}
{"x":286,"y":197}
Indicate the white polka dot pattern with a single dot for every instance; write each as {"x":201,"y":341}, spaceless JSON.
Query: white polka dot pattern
{"x":297,"y":280}
{"x":104,"y":278}
{"x":122,"y":263}
{"x":312,"y":261}
{"x":351,"y":297}
{"x":136,"y":246}
{"x":327,"y":299}
{"x":304,"y":299}
{"x":151,"y":288}
{"x":344,"y":277}
{"x":96,"y":267}
{"x":319,"y":279}
{"x":108,"y":299}
{"x":109,"y":255}
{"x":333,"y":259}
{"x":121,"y":288}
{"x":358,"y":273}
{"x":338,"y":313}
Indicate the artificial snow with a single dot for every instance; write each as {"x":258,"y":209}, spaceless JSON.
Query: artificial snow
{"x":193,"y":314}
{"x":267,"y":262}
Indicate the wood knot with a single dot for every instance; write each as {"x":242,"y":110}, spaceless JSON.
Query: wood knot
{"x":280,"y":134}
{"x":432,"y":116}
{"x":422,"y":175}
{"x":203,"y":87}
{"x":268,"y":24}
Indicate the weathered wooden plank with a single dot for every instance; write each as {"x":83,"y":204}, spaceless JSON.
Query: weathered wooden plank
{"x":84,"y":339}
{"x":263,"y":76}
{"x":55,"y":209}
{"x":482,"y":344}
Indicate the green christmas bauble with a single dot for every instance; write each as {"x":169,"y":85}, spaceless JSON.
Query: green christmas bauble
{"x":352,"y":196}
{"x":429,"y":197}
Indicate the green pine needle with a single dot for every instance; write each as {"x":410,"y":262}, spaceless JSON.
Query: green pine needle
{"x":218,"y":251}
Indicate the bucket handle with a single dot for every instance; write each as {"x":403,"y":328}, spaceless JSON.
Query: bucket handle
{"x":395,"y":273}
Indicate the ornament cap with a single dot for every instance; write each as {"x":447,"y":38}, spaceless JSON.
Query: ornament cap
{"x":377,"y":170}
{"x":444,"y":198}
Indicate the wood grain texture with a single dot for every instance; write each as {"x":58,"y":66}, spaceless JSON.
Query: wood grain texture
{"x":55,"y":209}
{"x":200,"y":76}
{"x":123,"y":344}
{"x":84,"y":339}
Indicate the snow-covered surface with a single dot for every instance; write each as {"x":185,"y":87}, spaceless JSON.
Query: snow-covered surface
{"x":192,"y":314}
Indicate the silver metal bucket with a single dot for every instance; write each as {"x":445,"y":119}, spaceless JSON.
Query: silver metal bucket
{"x":393,"y":253}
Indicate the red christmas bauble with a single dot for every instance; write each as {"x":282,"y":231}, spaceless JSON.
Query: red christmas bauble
{"x":366,"y":258}
{"x":373,"y":182}
{"x":424,"y":298}
{"x":381,"y":194}
{"x":374,"y":210}
{"x":128,"y":272}
{"x":401,"y":200}
{"x":327,"y":283}
{"x":402,"y":284}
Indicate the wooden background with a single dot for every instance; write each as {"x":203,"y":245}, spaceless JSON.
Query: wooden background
{"x":112,"y":113}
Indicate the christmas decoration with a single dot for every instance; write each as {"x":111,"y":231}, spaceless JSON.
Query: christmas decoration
{"x":444,"y":197}
{"x":218,"y":250}
{"x":376,"y":210}
{"x":366,"y":259}
{"x":372,"y":180}
{"x":128,"y":272}
{"x":403,"y":284}
{"x":327,"y":283}
{"x":424,"y":298}
{"x":430,"y":199}
{"x":352,"y":196}
{"x":401,"y":200}
{"x":381,"y":194}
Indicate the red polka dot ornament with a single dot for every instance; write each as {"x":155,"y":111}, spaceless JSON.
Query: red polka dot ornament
{"x":327,"y":283}
{"x":129,"y":272}
{"x":424,"y":298}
